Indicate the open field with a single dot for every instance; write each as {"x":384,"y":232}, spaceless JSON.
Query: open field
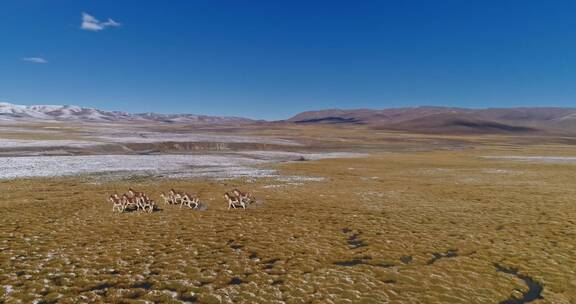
{"x":465,"y":220}
{"x":287,"y":152}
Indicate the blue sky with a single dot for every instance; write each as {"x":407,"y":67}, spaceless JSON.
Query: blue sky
{"x":272,"y":59}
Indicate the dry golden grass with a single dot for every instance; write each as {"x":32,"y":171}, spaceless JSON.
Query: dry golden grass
{"x":399,"y":228}
{"x":41,"y":131}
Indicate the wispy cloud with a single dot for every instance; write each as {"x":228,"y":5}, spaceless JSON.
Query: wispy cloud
{"x":35,"y":59}
{"x":90,"y":23}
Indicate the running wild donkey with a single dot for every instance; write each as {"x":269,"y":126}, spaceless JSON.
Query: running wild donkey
{"x":238,"y":199}
{"x":182,"y":198}
{"x":132,"y":199}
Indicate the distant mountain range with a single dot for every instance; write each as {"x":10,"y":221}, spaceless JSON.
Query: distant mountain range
{"x":426,"y":119}
{"x":449,"y":120}
{"x":12,"y":112}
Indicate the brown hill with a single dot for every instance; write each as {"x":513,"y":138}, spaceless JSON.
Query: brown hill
{"x":454,"y":123}
{"x":450,"y":120}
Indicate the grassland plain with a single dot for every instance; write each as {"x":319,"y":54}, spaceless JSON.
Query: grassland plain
{"x":412,"y":227}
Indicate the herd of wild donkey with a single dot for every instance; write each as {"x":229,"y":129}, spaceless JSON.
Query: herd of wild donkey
{"x":135,"y":200}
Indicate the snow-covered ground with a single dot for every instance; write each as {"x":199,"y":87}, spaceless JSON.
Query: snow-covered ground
{"x":47,"y":158}
{"x":152,"y":137}
{"x":212,"y":166}
{"x":22,"y":143}
{"x":109,"y":137}
{"x":291,"y":156}
{"x":181,"y":165}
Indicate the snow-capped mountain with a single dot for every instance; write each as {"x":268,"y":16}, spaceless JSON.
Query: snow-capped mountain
{"x":12,"y":112}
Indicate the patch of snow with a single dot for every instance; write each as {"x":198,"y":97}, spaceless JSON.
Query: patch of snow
{"x":300,"y":179}
{"x":154,"y":137}
{"x":281,"y":185}
{"x":295,"y":156}
{"x":8,"y":289}
{"x":170,"y":293}
{"x":173,"y":166}
{"x":273,"y":186}
{"x":499,"y":171}
{"x":21,"y":143}
{"x":434,"y":171}
{"x":176,"y":165}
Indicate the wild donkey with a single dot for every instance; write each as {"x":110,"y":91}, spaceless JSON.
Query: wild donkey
{"x":117,"y":203}
{"x":132,"y":199}
{"x":246,"y":197}
{"x":182,"y":198}
{"x":234,"y":201}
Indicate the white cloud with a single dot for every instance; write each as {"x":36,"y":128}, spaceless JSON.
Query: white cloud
{"x":90,"y":23}
{"x":35,"y":59}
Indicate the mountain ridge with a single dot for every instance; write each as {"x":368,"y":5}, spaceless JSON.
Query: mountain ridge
{"x":422,"y":119}
{"x":70,"y":113}
{"x":433,"y":119}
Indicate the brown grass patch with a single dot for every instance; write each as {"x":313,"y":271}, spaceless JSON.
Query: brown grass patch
{"x":365,"y":234}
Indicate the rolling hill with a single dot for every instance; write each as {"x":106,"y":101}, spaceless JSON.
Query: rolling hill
{"x":449,"y":120}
